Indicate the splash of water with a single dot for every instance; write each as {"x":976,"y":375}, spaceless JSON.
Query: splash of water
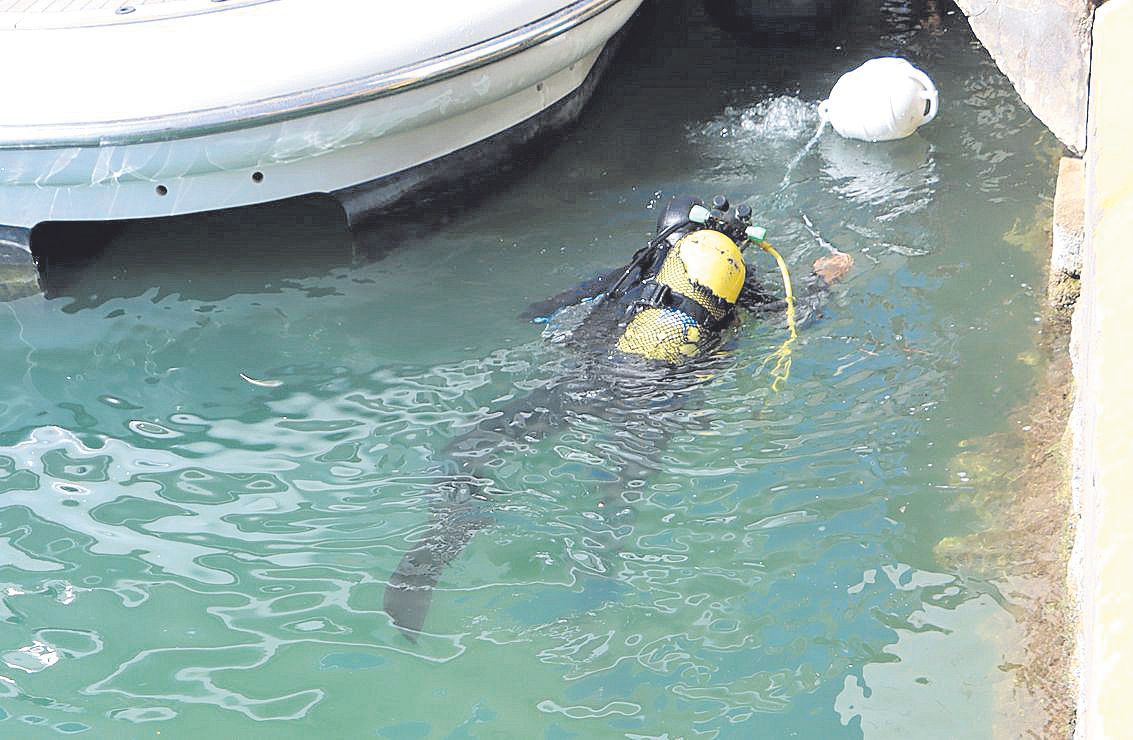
{"x":786,"y":181}
{"x":779,"y":119}
{"x":756,"y":134}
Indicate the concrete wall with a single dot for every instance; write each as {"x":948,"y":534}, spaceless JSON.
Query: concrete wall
{"x":1043,"y":46}
{"x":1103,"y":416}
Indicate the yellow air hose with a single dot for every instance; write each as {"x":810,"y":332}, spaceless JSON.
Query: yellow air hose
{"x":781,"y":370}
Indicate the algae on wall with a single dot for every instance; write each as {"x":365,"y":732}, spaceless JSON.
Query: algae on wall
{"x":1023,"y":501}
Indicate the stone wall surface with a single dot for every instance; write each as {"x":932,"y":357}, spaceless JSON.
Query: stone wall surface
{"x":1069,"y":233}
{"x":1103,"y":366}
{"x":1043,"y":46}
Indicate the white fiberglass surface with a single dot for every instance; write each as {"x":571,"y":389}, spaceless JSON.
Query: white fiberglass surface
{"x":190,"y":61}
{"x":58,"y":13}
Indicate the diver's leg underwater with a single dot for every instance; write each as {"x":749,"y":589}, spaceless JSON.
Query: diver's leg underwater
{"x":656,"y":327}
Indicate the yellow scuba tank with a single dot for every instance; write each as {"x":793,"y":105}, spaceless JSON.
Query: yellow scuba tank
{"x":692,"y":295}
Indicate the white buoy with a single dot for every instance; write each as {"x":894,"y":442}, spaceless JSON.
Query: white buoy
{"x":884,"y":99}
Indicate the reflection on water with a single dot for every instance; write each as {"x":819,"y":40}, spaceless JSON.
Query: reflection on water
{"x":893,"y":172}
{"x":221,"y":434}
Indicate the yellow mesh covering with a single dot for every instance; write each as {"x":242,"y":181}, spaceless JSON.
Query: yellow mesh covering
{"x":661,"y":334}
{"x":673,"y":274}
{"x":669,"y":334}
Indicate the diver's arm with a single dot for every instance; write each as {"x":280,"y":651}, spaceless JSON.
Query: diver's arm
{"x":587,"y":289}
{"x":810,"y":292}
{"x":754,"y":297}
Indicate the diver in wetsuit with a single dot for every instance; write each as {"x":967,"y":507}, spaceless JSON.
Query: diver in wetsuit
{"x":679,"y":294}
{"x":641,"y":332}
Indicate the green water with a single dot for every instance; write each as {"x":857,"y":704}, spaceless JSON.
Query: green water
{"x":187,"y":552}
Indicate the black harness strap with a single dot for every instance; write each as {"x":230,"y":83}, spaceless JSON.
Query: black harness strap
{"x":659,"y":295}
{"x":647,"y":259}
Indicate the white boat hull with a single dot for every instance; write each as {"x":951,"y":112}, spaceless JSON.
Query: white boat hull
{"x":74,"y":173}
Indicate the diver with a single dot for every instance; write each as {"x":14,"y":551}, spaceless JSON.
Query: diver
{"x":649,"y":330}
{"x":678,"y":295}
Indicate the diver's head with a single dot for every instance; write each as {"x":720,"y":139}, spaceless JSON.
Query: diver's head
{"x":675,"y":212}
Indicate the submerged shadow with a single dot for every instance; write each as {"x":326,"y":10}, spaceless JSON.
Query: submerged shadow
{"x":206,"y":257}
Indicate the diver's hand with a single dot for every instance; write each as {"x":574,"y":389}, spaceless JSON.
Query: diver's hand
{"x":833,"y":267}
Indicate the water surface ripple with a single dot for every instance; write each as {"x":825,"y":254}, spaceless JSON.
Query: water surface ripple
{"x":219,"y":439}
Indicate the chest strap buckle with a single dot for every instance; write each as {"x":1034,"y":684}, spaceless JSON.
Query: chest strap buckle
{"x":655,"y":295}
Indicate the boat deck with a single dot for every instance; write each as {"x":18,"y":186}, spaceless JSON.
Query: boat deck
{"x":32,"y":14}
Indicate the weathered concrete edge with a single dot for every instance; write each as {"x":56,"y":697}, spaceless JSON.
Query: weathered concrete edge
{"x":1068,"y":232}
{"x":1102,"y":560}
{"x":1043,"y":46}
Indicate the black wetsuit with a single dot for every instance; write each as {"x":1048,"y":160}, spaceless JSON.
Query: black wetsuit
{"x":627,"y":392}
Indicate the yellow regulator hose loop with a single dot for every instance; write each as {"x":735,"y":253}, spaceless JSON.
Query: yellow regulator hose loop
{"x":781,"y":370}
